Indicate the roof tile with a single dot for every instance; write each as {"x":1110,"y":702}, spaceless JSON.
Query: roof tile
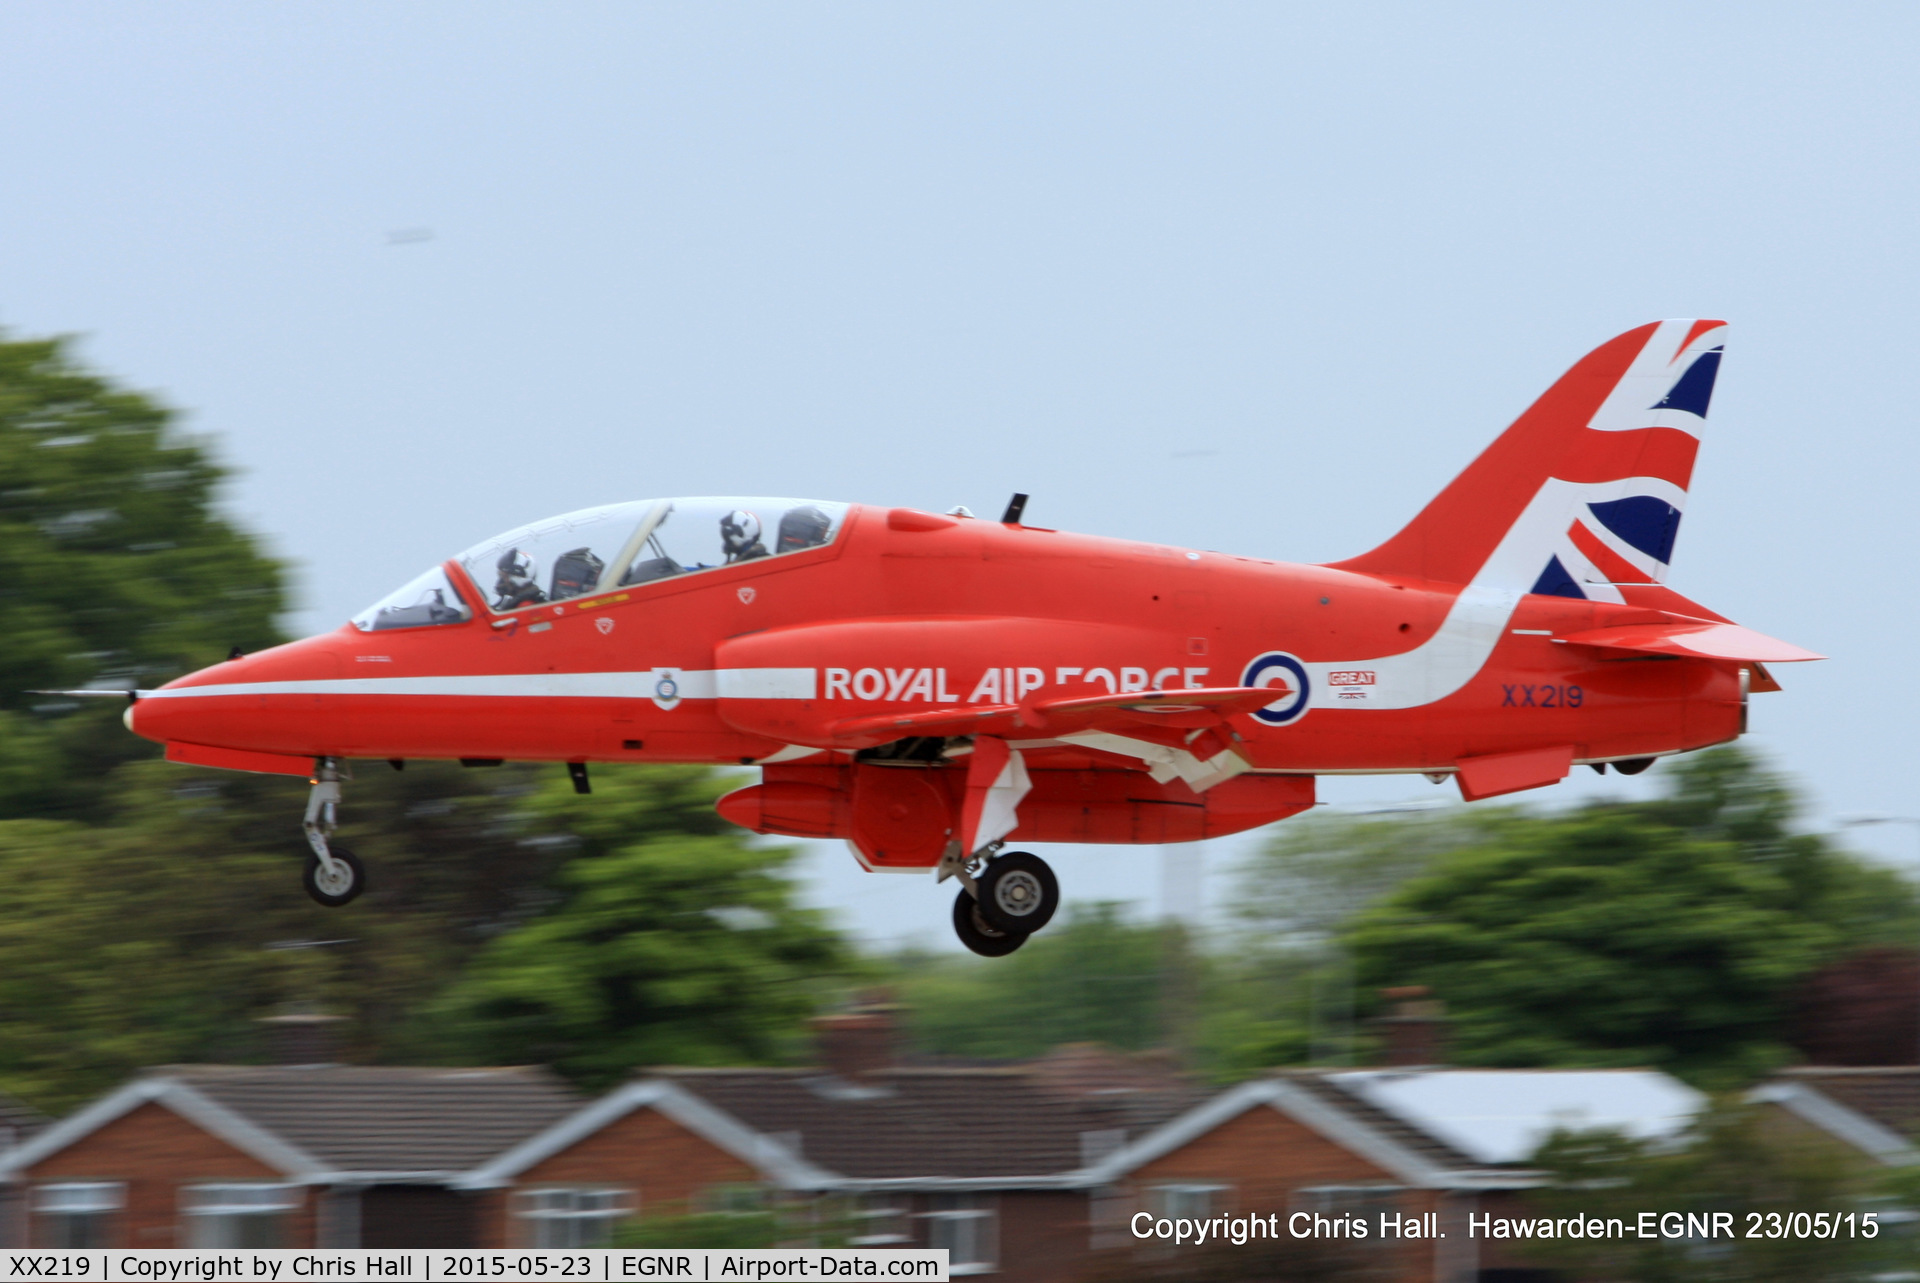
{"x":387,"y":1119}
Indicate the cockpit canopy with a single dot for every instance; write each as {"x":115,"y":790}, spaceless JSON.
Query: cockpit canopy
{"x":601,"y":549}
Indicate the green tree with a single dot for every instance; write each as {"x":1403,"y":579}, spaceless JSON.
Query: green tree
{"x":167,"y":932}
{"x":672,"y":942}
{"x":1663,"y":934}
{"x":1283,"y":983}
{"x":1735,"y":1159}
{"x":1093,"y":976}
{"x":1304,"y":885}
{"x":114,"y":567}
{"x":153,"y":913}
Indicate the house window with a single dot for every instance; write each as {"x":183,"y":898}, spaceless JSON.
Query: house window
{"x":572,"y":1217}
{"x":79,"y":1214}
{"x":250,"y":1215}
{"x":1192,"y":1200}
{"x":964,"y":1224}
{"x":880,"y":1220}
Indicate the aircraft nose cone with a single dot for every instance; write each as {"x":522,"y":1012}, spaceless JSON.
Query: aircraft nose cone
{"x":266,"y":701}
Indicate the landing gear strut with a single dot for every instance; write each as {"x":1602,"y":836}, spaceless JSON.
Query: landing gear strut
{"x":334,"y":875}
{"x":1009,"y":899}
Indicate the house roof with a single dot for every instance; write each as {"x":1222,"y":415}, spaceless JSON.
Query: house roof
{"x":1501,"y":1116}
{"x":1435,"y":1128}
{"x":961,"y":1124}
{"x":1327,"y":1089}
{"x":1875,"y":1110}
{"x":385,"y":1119}
{"x":334,"y":1122}
{"x":1034,"y":1125}
{"x":1890,"y":1095}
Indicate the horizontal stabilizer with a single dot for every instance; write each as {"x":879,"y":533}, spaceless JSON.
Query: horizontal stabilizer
{"x":1694,"y":639}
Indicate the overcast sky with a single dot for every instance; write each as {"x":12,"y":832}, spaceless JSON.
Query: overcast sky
{"x":1258,"y":278}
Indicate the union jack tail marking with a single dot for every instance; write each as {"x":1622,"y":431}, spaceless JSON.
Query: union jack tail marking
{"x":1584,"y":493}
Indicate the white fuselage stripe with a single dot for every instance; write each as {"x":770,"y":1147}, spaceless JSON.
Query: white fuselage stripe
{"x":730,"y":683}
{"x":1478,"y":617}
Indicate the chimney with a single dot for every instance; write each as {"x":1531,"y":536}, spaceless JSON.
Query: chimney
{"x":1415,"y":1033}
{"x":855,"y":1043}
{"x":304,"y":1038}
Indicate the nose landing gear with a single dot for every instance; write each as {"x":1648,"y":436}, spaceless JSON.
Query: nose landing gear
{"x":334,"y":875}
{"x":1009,"y":899}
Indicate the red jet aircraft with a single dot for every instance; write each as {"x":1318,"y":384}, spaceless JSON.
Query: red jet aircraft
{"x":931,"y":687}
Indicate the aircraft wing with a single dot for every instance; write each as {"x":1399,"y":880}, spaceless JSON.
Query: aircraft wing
{"x":980,"y":719}
{"x":1187,"y":709}
{"x":1691,"y":639}
{"x":1130,"y":712}
{"x":1173,"y":733}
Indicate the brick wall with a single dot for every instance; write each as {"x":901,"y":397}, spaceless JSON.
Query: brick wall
{"x":1044,"y":1235}
{"x":1265,"y":1157}
{"x":155,"y":1152}
{"x":665,"y":1165}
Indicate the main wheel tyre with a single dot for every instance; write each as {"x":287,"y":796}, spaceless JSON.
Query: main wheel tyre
{"x":978,"y":934}
{"x":1018,"y":892}
{"x":349,"y":880}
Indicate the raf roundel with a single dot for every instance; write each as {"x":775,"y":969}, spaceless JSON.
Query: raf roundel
{"x":666,"y":689}
{"x":1278,"y":669}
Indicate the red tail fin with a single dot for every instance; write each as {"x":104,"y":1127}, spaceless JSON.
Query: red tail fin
{"x":1585,"y":490}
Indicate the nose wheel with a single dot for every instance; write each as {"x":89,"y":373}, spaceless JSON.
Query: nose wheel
{"x":334,"y":875}
{"x":337,"y":885}
{"x":1010,"y":899}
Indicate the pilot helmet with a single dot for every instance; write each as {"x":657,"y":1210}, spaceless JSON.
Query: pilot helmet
{"x":515,"y":567}
{"x":803,"y":527}
{"x":739,"y":531}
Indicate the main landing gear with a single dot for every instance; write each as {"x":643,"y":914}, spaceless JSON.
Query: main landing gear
{"x":1008,"y":899}
{"x":334,"y":875}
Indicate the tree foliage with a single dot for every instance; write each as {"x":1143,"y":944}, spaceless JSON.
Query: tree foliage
{"x":1666,"y":933}
{"x":1303,"y":886}
{"x":115,"y":566}
{"x":1282,"y":987}
{"x":1736,"y":1159}
{"x":1093,"y":976}
{"x":671,"y":943}
{"x":1861,"y":1010}
{"x":167,"y":933}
